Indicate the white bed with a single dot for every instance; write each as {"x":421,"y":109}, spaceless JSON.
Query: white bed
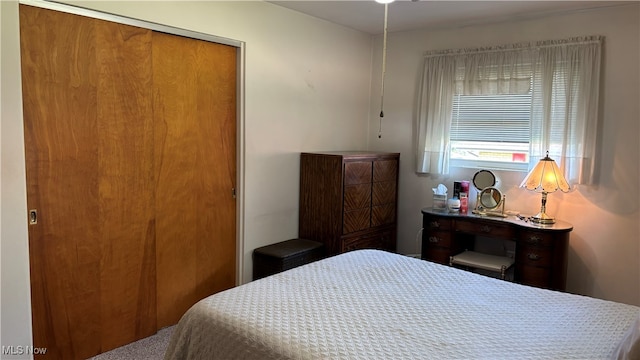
{"x":370,"y":304}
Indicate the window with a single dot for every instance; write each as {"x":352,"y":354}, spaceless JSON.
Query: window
{"x":491,"y":131}
{"x":505,"y":107}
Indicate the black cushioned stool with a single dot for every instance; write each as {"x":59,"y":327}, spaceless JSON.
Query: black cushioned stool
{"x":285,"y":255}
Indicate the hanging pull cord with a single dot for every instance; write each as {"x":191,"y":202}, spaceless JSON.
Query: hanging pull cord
{"x":384,"y":68}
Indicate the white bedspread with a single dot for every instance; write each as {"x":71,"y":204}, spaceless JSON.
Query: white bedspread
{"x":370,"y":304}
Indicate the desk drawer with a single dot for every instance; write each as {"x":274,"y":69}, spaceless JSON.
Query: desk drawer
{"x":532,"y":256}
{"x":485,"y":229}
{"x":534,"y":276}
{"x":535,"y":239}
{"x":432,"y":223}
{"x":440,"y":239}
{"x":437,"y":255}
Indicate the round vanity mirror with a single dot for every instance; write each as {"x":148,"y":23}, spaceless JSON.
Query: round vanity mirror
{"x":490,"y":198}
{"x":484,"y":179}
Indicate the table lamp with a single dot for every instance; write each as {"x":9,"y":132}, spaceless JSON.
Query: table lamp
{"x":546,"y":177}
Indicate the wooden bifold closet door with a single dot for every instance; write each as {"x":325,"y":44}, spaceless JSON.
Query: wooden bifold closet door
{"x":130,"y":138}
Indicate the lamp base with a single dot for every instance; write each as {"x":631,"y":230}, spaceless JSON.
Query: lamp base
{"x":542,"y":218}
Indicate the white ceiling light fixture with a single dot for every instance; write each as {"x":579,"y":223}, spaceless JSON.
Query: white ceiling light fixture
{"x":384,"y":61}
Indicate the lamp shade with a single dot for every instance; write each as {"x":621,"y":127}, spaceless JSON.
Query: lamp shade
{"x":545,"y":177}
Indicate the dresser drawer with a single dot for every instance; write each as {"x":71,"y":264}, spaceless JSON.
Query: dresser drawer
{"x":383,"y":215}
{"x":490,"y":229}
{"x":357,"y":197}
{"x":436,"y":254}
{"x":384,"y":240}
{"x":535,"y":239}
{"x":441,"y":239}
{"x":385,"y":170}
{"x":534,"y":276}
{"x":356,"y":220}
{"x":357,"y":172}
{"x":533,"y":256}
{"x":383,"y":193}
{"x":432,"y":223}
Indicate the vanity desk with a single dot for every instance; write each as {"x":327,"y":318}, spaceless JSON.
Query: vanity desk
{"x":540,"y":250}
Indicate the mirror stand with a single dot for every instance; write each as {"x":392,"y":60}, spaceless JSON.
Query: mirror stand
{"x":490,"y":202}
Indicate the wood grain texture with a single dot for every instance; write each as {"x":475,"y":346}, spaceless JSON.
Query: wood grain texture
{"x":356,"y":220}
{"x":321,"y":199}
{"x":126,"y":184}
{"x":383,"y":214}
{"x":383,"y":239}
{"x":341,"y":205}
{"x":59,"y":93}
{"x":106,"y":157}
{"x":385,"y":170}
{"x":357,"y":197}
{"x":358,"y":172}
{"x":383,"y":193}
{"x":194,"y":107}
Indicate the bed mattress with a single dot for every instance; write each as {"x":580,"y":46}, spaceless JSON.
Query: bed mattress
{"x":370,"y":304}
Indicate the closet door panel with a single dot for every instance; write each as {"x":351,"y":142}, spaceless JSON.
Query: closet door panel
{"x":194,"y":109}
{"x":126,"y":218}
{"x":132,"y":180}
{"x":217,"y":79}
{"x":59,"y":93}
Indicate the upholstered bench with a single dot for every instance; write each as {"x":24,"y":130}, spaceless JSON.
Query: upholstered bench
{"x":497,"y":264}
{"x":285,"y":255}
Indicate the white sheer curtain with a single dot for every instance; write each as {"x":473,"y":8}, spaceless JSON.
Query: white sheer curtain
{"x":434,"y":115}
{"x":562,"y":75}
{"x":565,"y":106}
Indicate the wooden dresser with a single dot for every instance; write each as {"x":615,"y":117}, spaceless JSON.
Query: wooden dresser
{"x":348,"y":200}
{"x":540,"y":250}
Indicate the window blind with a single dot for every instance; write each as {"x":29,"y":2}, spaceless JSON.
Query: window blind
{"x":491,"y":118}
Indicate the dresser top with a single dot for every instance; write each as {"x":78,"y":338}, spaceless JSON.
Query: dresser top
{"x":559,"y":225}
{"x":352,"y":153}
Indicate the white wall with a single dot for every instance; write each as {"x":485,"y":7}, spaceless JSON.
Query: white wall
{"x":15,"y":297}
{"x":306,"y":89}
{"x":604,"y":248}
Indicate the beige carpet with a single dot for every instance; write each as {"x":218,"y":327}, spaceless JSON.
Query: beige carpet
{"x":151,"y":348}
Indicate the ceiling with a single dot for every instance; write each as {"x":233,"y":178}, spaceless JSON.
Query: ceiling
{"x":403,"y":15}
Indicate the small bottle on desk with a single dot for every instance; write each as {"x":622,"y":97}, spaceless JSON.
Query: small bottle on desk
{"x":454,"y":205}
{"x":464,"y":203}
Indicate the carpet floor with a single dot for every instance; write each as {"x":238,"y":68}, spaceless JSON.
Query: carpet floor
{"x":150,"y":348}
